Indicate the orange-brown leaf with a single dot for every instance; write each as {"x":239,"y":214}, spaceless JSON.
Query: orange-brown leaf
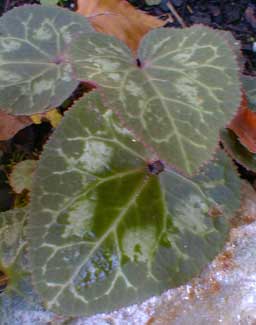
{"x":118,"y":18}
{"x":10,"y":125}
{"x":244,"y":125}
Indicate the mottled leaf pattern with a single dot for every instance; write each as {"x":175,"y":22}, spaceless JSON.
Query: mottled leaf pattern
{"x":48,"y":2}
{"x":34,"y":74}
{"x":226,"y":194}
{"x":249,"y":85}
{"x":103,"y":231}
{"x":18,"y":302}
{"x":181,"y":89}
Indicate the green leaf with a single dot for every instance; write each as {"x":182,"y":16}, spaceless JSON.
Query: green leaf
{"x":226,"y":194}
{"x":153,"y":2}
{"x":237,"y":151}
{"x":18,"y":302}
{"x":34,"y":73}
{"x":22,"y":175}
{"x":49,"y":2}
{"x":249,"y":85}
{"x":105,"y":231}
{"x":184,"y":90}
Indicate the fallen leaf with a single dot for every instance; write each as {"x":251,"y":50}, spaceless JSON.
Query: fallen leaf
{"x":244,"y":126}
{"x":22,"y":174}
{"x":52,"y":116}
{"x":118,"y":18}
{"x":10,"y":125}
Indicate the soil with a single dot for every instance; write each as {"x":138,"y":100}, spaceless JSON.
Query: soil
{"x":238,"y":17}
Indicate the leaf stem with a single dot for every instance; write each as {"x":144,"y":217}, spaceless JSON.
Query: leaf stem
{"x":175,"y":14}
{"x":6,"y":5}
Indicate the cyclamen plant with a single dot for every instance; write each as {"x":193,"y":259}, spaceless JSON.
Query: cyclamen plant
{"x":122,"y":206}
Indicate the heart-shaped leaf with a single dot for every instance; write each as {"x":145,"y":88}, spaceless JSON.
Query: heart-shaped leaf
{"x":249,"y":85}
{"x":182,"y":90}
{"x":105,"y":229}
{"x":237,"y":151}
{"x":34,"y":74}
{"x":18,"y":302}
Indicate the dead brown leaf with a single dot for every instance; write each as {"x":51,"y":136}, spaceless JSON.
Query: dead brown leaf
{"x":10,"y":125}
{"x":118,"y":18}
{"x":244,"y":126}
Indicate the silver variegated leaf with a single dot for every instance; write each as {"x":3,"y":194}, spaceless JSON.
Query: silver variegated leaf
{"x":249,"y":85}
{"x":18,"y":302}
{"x":180,"y":91}
{"x":48,"y":2}
{"x":105,"y":230}
{"x":34,"y":72}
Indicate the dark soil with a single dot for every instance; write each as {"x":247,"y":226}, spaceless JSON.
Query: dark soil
{"x":238,"y":17}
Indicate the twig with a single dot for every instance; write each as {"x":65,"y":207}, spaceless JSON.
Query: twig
{"x":6,"y":5}
{"x":175,"y":14}
{"x":190,"y":9}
